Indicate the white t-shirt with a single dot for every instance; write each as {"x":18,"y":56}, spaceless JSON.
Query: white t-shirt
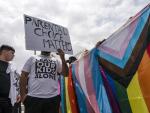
{"x":14,"y":89}
{"x":43,"y":77}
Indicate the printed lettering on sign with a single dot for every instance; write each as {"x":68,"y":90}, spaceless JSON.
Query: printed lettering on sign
{"x":46,"y":36}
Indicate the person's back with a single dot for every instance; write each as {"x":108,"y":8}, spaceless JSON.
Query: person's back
{"x":43,"y":79}
{"x":40,"y":76}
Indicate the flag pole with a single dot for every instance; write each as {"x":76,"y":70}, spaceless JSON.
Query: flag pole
{"x":34,"y":52}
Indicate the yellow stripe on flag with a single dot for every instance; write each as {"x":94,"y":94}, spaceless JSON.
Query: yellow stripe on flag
{"x":135,"y":96}
{"x":67,"y":96}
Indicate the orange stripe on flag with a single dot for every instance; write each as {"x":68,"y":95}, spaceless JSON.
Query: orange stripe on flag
{"x":144,"y":78}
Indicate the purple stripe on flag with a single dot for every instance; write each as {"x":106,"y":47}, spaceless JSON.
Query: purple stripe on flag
{"x":110,"y":95}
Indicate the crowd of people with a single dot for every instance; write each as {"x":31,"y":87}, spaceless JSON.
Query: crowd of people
{"x":37,"y":86}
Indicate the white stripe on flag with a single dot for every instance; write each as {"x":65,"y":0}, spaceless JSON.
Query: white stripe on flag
{"x":82,"y":77}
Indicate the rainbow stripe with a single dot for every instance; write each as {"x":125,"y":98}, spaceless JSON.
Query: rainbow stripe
{"x":115,"y":77}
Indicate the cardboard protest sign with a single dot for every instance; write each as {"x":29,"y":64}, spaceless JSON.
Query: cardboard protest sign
{"x":46,"y":36}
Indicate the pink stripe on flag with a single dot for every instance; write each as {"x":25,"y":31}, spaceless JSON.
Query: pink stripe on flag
{"x":77,"y":66}
{"x":77,"y":71}
{"x":89,"y":84}
{"x":127,"y":37}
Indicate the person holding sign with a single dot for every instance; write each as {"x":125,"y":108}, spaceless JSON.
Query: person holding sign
{"x":39,"y":82}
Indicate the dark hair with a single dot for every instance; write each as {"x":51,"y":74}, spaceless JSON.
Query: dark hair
{"x":6,"y":47}
{"x":45,"y":53}
{"x":71,"y":59}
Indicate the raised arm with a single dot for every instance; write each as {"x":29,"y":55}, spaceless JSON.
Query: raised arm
{"x":65,"y":69}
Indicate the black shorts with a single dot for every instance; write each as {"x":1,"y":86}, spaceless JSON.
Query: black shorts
{"x":42,"y":105}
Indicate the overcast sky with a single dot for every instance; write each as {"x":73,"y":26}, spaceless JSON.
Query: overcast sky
{"x":88,"y":21}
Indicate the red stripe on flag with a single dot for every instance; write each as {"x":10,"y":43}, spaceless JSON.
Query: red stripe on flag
{"x":71,"y":93}
{"x":148,"y":50}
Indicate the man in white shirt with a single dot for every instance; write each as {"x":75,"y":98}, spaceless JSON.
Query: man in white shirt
{"x":39,"y":82}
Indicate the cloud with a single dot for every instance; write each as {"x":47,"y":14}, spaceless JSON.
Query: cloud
{"x":88,"y":21}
